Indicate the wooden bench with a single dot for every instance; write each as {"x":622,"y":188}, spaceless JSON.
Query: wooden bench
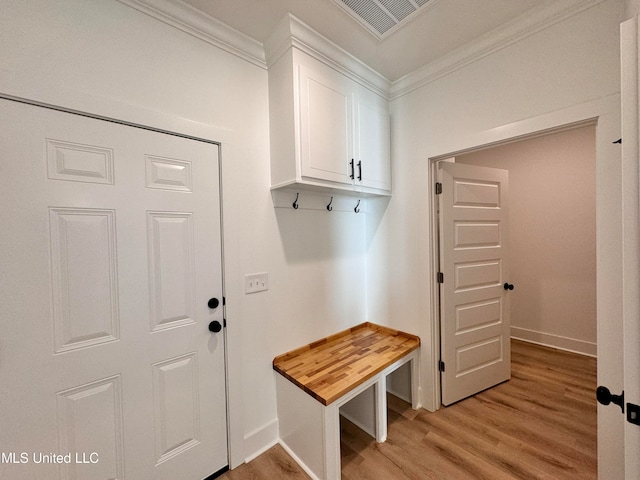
{"x":319,"y":378}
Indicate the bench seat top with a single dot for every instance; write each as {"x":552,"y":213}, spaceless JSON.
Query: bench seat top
{"x":330,"y":367}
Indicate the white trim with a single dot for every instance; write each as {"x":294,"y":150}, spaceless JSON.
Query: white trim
{"x":555,"y":341}
{"x":200,"y":25}
{"x":571,"y":117}
{"x":293,"y":32}
{"x":261,"y":439}
{"x":296,"y":459}
{"x":518,"y":29}
{"x":21,"y":88}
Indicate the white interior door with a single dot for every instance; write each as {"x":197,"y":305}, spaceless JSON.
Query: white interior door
{"x":474,"y":294}
{"x":630,"y":43}
{"x":110,"y":251}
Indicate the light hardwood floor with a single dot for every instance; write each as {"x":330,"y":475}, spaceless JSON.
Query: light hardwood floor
{"x":539,"y":425}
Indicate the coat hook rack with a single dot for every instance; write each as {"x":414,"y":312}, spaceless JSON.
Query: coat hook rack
{"x":323,"y":201}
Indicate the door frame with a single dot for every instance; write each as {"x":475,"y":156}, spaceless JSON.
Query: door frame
{"x":605,"y":113}
{"x":199,"y":137}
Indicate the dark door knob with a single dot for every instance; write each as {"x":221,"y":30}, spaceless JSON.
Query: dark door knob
{"x":215,"y":326}
{"x":605,"y":397}
{"x":508,"y":286}
{"x":213,"y":302}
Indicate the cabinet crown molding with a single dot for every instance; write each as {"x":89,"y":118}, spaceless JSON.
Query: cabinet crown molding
{"x":293,"y":32}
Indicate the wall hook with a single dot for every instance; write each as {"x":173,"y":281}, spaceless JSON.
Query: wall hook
{"x":295,"y":202}
{"x":618,"y":141}
{"x":357,"y":210}
{"x":329,"y":207}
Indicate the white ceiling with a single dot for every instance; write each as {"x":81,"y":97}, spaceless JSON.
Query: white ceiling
{"x":438,"y":28}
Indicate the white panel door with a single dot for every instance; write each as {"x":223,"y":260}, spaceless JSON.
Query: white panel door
{"x":630,"y":43}
{"x":326,"y":125}
{"x":474,"y":300}
{"x":109,"y":251}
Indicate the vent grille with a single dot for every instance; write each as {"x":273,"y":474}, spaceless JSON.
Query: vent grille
{"x":400,"y":9}
{"x":382,"y":17}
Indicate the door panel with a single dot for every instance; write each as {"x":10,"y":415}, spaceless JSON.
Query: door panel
{"x":84,"y":411}
{"x":110,"y":250}
{"x":372,"y":142}
{"x":326,"y":125}
{"x":171,"y":269}
{"x":474,"y":309}
{"x":84,"y":280}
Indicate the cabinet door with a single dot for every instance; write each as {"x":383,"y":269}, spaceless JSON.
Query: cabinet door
{"x":326,"y":125}
{"x":373,"y":167}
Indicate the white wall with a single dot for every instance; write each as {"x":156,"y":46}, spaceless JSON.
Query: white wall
{"x":565,"y":73}
{"x":632,"y":8}
{"x":107,"y":58}
{"x":552,"y":236}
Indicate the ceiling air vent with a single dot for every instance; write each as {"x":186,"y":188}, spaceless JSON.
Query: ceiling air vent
{"x":382,"y":17}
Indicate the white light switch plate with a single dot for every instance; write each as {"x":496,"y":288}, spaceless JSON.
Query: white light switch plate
{"x":256,"y":282}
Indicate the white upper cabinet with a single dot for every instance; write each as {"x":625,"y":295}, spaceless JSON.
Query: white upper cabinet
{"x":326,"y":125}
{"x":328,"y":131}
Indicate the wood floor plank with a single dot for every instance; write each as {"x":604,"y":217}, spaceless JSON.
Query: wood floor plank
{"x":539,"y":425}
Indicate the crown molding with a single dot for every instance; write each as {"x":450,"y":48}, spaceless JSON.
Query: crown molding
{"x":520,"y":28}
{"x":202,"y":26}
{"x":292,"y":32}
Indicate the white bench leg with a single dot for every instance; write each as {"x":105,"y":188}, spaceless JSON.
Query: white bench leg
{"x":332,"y":442}
{"x":381,"y":409}
{"x":415,"y":380}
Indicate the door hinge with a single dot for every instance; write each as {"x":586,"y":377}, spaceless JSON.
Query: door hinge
{"x":438,"y":188}
{"x":441,"y":366}
{"x":440,"y":277}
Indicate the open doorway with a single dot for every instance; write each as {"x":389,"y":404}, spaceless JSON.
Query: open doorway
{"x":552,"y":236}
{"x":552,"y":242}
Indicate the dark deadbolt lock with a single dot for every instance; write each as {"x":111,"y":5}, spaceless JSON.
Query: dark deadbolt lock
{"x":213,"y":303}
{"x":508,"y":286}
{"x":215,"y":326}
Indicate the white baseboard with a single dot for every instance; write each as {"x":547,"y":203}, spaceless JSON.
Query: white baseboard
{"x":261,"y":440}
{"x":555,"y":341}
{"x":298,"y":461}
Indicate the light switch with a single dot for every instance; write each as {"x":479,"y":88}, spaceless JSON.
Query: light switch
{"x":256,"y":282}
